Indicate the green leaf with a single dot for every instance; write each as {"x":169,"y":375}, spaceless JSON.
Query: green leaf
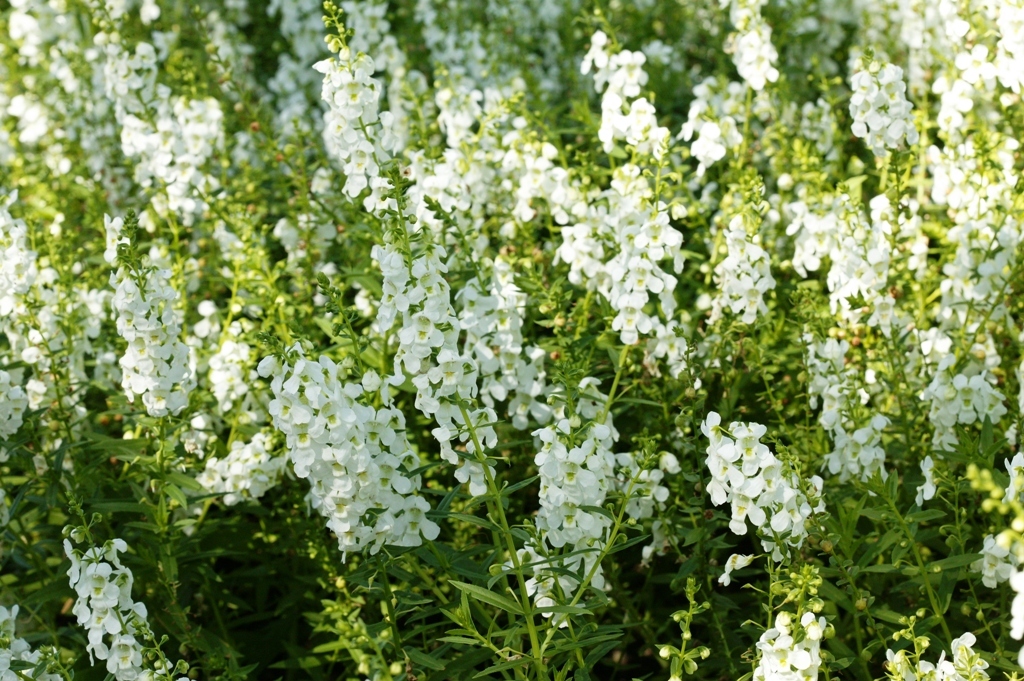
{"x":600,"y":510}
{"x":175,"y":493}
{"x":597,"y":654}
{"x":519,"y":485}
{"x":459,"y":639}
{"x":474,"y":520}
{"x":880,"y":568}
{"x":509,"y":664}
{"x":423,"y":659}
{"x":922,"y":516}
{"x":481,"y":594}
{"x":626,"y":544}
{"x":955,"y":562}
{"x":115,"y":506}
{"x":184,"y":481}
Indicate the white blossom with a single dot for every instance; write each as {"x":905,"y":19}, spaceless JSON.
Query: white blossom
{"x":881,"y":113}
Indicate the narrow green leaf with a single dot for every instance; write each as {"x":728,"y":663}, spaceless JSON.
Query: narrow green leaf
{"x":423,"y":659}
{"x":497,"y":600}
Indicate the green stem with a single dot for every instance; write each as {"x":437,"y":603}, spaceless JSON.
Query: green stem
{"x":498,"y":510}
{"x":932,"y":598}
{"x":389,"y":604}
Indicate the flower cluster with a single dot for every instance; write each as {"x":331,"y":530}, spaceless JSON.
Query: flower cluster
{"x":743,"y":276}
{"x":996,"y":563}
{"x":493,"y":323}
{"x":13,"y":403}
{"x":18,"y":650}
{"x":358,"y":461}
{"x":958,"y":398}
{"x":861,"y":257}
{"x":356,"y":132}
{"x":428,"y":353}
{"x":575,"y":475}
{"x":624,"y":114}
{"x":117,"y":626}
{"x":751,"y":44}
{"x":230,"y":369}
{"x":758,"y":486}
{"x":963,"y":665}
{"x":171,"y":139}
{"x":155,"y":363}
{"x":17,"y":261}
{"x":498,"y":397}
{"x":882,"y":116}
{"x":247,"y":472}
{"x":715,"y":116}
{"x":791,"y":650}
{"x":577,"y":470}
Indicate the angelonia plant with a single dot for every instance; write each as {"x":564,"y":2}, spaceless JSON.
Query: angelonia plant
{"x":539,"y":340}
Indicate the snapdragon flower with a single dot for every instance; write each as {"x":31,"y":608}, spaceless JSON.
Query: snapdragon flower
{"x":791,"y":650}
{"x":751,"y":44}
{"x":1015,"y":471}
{"x":13,"y":403}
{"x":247,"y":472}
{"x":963,"y":665}
{"x":574,"y":476}
{"x":1009,"y":58}
{"x":744,"y":276}
{"x":996,"y":563}
{"x":758,"y":486}
{"x":230,"y":370}
{"x":155,"y":365}
{"x":117,"y":626}
{"x":881,"y":113}
{"x":715,"y":117}
{"x":1017,"y":610}
{"x":17,"y":261}
{"x":621,"y":76}
{"x":355,"y":456}
{"x":356,"y":132}
{"x":171,"y":139}
{"x":926,"y":491}
{"x":960,"y":399}
{"x":860,"y":453}
{"x":18,"y":650}
{"x":735,"y":562}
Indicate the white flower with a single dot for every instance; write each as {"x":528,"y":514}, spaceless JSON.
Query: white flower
{"x":356,"y":133}
{"x":926,"y":491}
{"x":247,"y":472}
{"x":751,"y":44}
{"x":13,"y":403}
{"x":735,"y":562}
{"x":996,"y":563}
{"x":155,"y":364}
{"x":14,"y":649}
{"x":758,"y":486}
{"x":116,"y":625}
{"x":1017,"y":607}
{"x":880,"y":110}
{"x":355,"y":456}
{"x":782,"y":657}
{"x":744,"y":276}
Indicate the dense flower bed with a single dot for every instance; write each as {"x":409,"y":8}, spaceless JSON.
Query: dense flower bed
{"x":511,"y":339}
